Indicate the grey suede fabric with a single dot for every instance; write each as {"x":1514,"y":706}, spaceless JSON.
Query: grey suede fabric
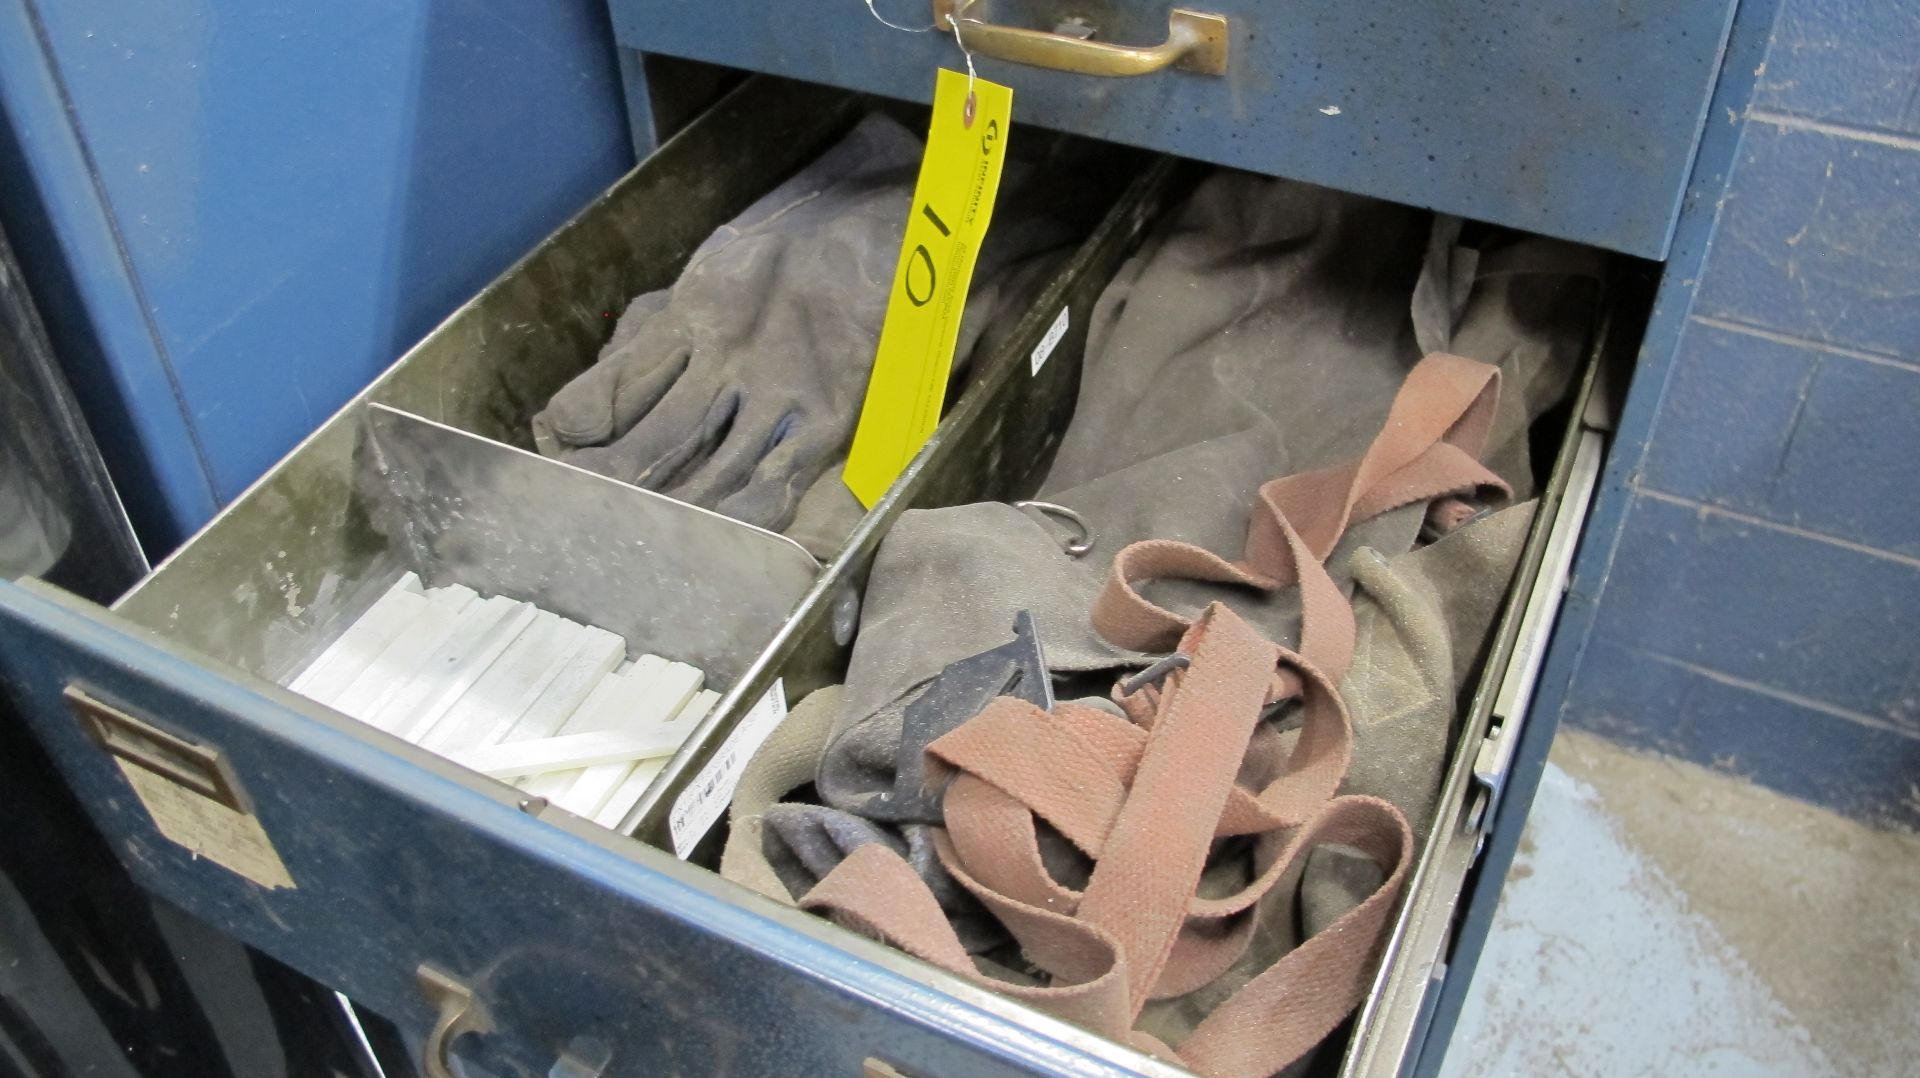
{"x":722,"y":389}
{"x":828,"y":511}
{"x":1422,"y":620}
{"x":1262,"y":330}
{"x":784,"y":762}
{"x":1257,"y":303}
{"x":738,"y":387}
{"x":782,"y":849}
{"x":1446,"y":280}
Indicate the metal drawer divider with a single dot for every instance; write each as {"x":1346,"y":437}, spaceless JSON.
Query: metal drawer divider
{"x":993,"y":445}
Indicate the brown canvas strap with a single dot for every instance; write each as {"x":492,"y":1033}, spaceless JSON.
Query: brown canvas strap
{"x":1146,"y":799}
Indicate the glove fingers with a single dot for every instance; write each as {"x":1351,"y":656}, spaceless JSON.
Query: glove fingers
{"x":667,"y":468}
{"x":773,"y":491}
{"x":749,"y":440}
{"x":605,"y":401}
{"x":661,"y":441}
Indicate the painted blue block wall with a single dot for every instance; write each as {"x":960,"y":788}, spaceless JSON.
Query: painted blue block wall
{"x":236,"y":214}
{"x":1761,"y":612}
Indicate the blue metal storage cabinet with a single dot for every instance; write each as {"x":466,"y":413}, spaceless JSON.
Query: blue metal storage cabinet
{"x":1621,"y":127}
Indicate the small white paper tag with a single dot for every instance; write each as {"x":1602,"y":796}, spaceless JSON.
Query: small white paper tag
{"x":705,"y":799}
{"x":1049,"y":342}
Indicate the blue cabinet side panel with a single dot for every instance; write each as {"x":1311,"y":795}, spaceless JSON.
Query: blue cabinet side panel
{"x":88,"y":294}
{"x":301,"y":191}
{"x":1761,"y":612}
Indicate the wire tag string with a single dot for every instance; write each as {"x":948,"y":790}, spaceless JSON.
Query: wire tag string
{"x":884,"y":21}
{"x":953,"y":21}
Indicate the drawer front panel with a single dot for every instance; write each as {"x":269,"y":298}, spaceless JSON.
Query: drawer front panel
{"x":573,"y":944}
{"x":1572,"y":119}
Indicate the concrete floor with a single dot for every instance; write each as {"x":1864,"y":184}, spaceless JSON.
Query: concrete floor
{"x":1666,"y":919}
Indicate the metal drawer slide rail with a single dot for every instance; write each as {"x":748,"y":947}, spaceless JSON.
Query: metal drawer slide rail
{"x":1391,"y":1025}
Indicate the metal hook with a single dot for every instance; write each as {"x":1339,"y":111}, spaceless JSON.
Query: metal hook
{"x":1075,"y":548}
{"x":1156,"y":673}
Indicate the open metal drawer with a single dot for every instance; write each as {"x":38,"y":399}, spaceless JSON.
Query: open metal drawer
{"x":573,"y":943}
{"x":1390,"y":1033}
{"x":529,"y":941}
{"x":1567,"y":118}
{"x":377,"y":867}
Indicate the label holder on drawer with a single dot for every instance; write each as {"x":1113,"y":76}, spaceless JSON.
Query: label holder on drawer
{"x":188,"y":789}
{"x":201,"y":769}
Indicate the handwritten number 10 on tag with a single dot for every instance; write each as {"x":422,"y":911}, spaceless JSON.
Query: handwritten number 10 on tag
{"x":953,"y":203}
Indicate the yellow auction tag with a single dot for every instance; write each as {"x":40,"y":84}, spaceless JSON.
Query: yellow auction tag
{"x":952,"y":203}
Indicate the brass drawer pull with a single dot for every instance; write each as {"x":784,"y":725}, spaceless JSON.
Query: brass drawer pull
{"x":1196,"y":42}
{"x":460,"y":1013}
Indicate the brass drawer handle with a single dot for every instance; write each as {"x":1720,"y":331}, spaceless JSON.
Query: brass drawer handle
{"x":460,"y":1013}
{"x":1196,"y":42}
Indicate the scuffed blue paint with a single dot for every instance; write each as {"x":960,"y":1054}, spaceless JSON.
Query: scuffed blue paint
{"x":1819,"y":239}
{"x":1791,"y":433}
{"x":1573,"y":119}
{"x":293,"y":194}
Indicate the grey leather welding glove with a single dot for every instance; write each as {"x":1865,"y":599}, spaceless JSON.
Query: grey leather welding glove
{"x":737,"y":388}
{"x":803,"y":843}
{"x":781,"y":850}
